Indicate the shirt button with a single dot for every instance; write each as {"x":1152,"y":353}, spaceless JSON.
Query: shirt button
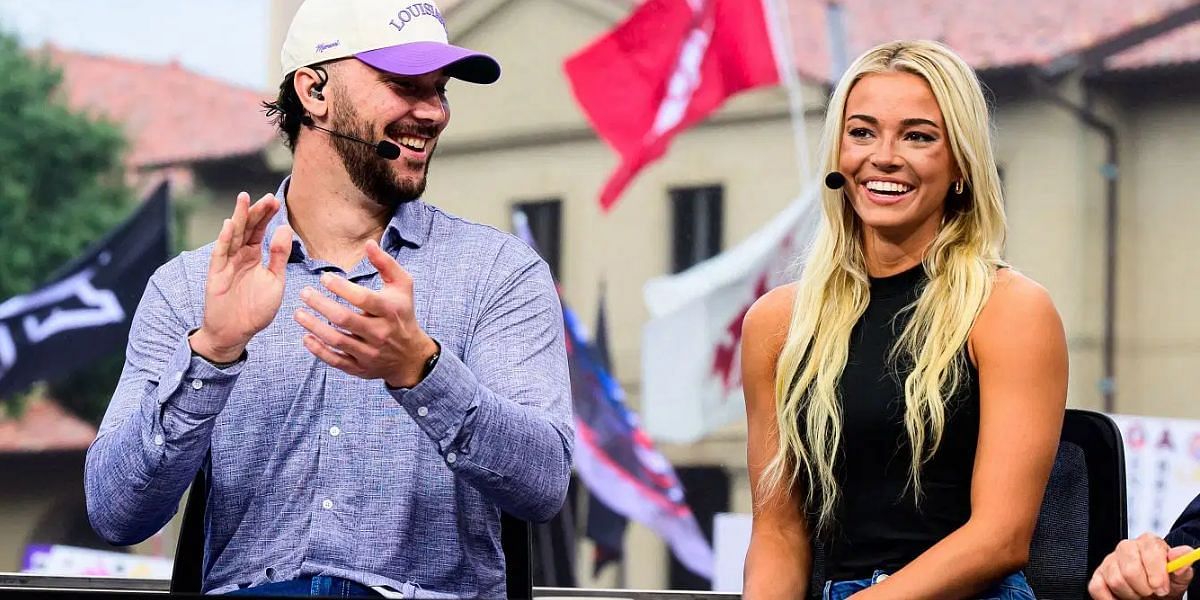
{"x":197,"y":384}
{"x":334,"y":431}
{"x":450,"y":458}
{"x":328,"y":504}
{"x":422,"y":411}
{"x":158,"y":440}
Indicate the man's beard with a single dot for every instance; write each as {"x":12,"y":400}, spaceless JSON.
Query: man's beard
{"x":369,"y":172}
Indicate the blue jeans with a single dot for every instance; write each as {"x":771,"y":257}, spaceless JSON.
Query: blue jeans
{"x":321,"y":585}
{"x":1013,"y":587}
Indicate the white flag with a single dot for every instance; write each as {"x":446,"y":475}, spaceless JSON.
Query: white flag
{"x":691,"y":349}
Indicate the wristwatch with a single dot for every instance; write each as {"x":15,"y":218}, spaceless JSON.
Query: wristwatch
{"x":432,"y":362}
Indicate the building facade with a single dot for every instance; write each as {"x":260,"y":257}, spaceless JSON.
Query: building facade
{"x":1071,"y":91}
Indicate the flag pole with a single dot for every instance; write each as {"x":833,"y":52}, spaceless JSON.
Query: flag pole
{"x":780,"y":29}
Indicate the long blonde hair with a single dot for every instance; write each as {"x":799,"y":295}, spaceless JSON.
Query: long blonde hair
{"x":833,"y":289}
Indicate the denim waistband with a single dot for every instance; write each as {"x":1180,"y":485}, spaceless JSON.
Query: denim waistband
{"x":319,"y":585}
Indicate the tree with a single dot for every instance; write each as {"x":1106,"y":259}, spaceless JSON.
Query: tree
{"x":61,"y":188}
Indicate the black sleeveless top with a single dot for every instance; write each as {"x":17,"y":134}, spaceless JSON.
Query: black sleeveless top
{"x":877,"y":524}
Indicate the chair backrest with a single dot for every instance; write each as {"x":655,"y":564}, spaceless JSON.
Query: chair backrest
{"x":516,"y":539}
{"x":1084,"y":513}
{"x":187,"y":575}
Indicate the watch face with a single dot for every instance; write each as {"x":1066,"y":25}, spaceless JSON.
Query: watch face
{"x":431,"y":363}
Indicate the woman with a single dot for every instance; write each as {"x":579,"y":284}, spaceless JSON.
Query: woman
{"x":905,"y":396}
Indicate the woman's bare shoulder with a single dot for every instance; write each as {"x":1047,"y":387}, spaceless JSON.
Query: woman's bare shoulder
{"x":1018,"y":306}
{"x":1014,"y":293}
{"x":766,"y":324}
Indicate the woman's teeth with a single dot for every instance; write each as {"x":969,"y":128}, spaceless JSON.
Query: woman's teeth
{"x":888,"y":187}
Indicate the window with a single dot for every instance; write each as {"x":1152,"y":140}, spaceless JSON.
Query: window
{"x":545,"y":222}
{"x":696,"y":225}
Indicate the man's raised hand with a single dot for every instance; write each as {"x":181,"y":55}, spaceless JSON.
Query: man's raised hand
{"x":242,"y":295}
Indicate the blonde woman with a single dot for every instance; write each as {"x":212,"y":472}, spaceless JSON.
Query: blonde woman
{"x":905,"y":396}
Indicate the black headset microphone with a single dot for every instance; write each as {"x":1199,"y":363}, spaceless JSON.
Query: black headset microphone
{"x":385,"y":148}
{"x":835,"y":180}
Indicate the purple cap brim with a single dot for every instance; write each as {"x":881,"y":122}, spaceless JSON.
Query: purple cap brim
{"x":419,"y":58}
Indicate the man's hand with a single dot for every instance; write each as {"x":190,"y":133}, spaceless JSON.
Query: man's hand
{"x":380,"y":341}
{"x":242,"y":296}
{"x":1137,"y":569}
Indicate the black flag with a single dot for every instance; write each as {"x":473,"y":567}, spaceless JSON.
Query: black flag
{"x":84,"y":312}
{"x":605,"y":526}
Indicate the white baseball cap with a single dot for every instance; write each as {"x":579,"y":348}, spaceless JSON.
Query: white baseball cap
{"x":404,"y":37}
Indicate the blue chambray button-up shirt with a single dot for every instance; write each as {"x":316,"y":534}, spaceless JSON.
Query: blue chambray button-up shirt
{"x":317,"y":472}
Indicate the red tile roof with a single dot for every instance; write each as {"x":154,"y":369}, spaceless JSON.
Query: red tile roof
{"x":44,"y":426}
{"x":1176,"y":47}
{"x":171,"y":115}
{"x":175,"y":116}
{"x":991,"y":34}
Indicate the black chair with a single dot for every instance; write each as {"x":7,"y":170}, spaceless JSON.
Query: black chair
{"x":1083,"y":513}
{"x":516,"y":540}
{"x":187,"y":573}
{"x":187,"y":576}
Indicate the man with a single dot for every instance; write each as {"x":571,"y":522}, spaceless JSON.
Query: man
{"x":373,"y":385}
{"x":1137,"y":569}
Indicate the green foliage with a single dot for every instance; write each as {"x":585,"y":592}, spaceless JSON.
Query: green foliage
{"x":61,"y":188}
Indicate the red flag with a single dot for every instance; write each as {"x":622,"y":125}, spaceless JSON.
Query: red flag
{"x":667,"y":66}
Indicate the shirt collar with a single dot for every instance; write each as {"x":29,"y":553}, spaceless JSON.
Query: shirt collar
{"x":409,"y":225}
{"x":411,"y":222}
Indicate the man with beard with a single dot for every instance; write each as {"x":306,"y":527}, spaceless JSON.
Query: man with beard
{"x":369,"y":388}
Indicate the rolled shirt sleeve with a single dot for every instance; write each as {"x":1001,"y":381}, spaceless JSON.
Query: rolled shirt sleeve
{"x":156,"y":431}
{"x":501,"y":415}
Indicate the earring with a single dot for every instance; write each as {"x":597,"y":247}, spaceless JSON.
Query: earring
{"x":958,"y":187}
